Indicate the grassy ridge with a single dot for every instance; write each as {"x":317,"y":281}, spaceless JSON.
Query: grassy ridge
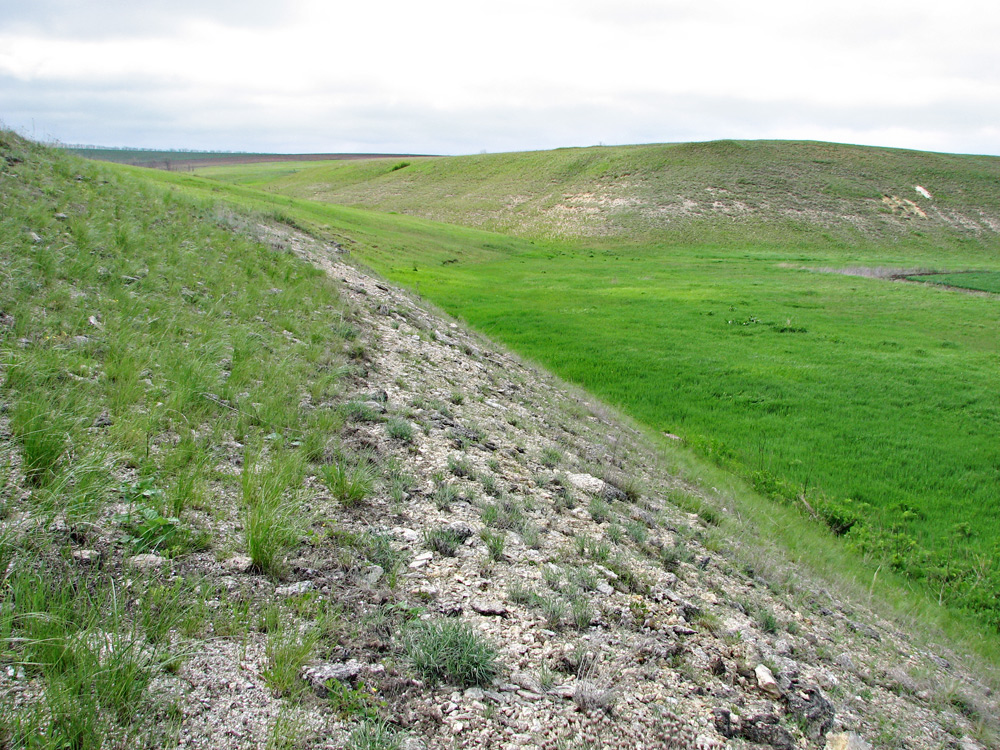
{"x":725,"y":193}
{"x":843,"y":392}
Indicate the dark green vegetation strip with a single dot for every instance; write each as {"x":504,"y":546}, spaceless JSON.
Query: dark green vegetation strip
{"x":139,"y":336}
{"x":868,"y":404}
{"x":981,"y":281}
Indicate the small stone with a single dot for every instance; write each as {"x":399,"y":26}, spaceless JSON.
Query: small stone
{"x":605,"y":588}
{"x":373,"y":574}
{"x":35,"y":237}
{"x":86,"y":555}
{"x":586,"y":483}
{"x":766,"y":681}
{"x":421,"y":560}
{"x":461,"y":530}
{"x":474,"y":694}
{"x":765,"y":730}
{"x":61,"y":216}
{"x":292,"y":589}
{"x":147,"y":561}
{"x":844,"y":660}
{"x":408,"y":535}
{"x":488,"y":608}
{"x":320,"y":675}
{"x":846,"y":741}
{"x":238,"y":563}
{"x":783,"y":647}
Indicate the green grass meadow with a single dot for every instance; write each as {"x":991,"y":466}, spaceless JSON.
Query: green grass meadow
{"x":869,"y":404}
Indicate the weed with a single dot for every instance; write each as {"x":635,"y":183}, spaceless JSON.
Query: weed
{"x":287,"y":651}
{"x":399,"y":429}
{"x":450,"y":651}
{"x":348,"y":702}
{"x":490,"y":485}
{"x":599,"y":510}
{"x":444,"y":541}
{"x":637,"y":531}
{"x":506,"y":513}
{"x":350,"y":481}
{"x":461,"y":467}
{"x":445,"y":495}
{"x":553,"y":610}
{"x":551,"y":457}
{"x":582,"y":613}
{"x":518,"y":592}
{"x":374,"y":735}
{"x":494,"y":543}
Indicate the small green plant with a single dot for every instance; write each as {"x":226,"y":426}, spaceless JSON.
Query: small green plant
{"x":495,"y":542}
{"x":42,"y":431}
{"x":457,"y":398}
{"x":553,"y":610}
{"x":599,"y":510}
{"x":551,"y":457}
{"x":519,"y":593}
{"x":461,"y":467}
{"x":287,"y":651}
{"x":490,"y":485}
{"x":450,"y":651}
{"x":506,"y":513}
{"x":445,"y":495}
{"x":399,"y":429}
{"x":148,"y":531}
{"x":444,"y":541}
{"x":615,"y":533}
{"x":374,"y":735}
{"x":582,"y":613}
{"x":349,"y":702}
{"x":637,"y":531}
{"x":350,"y":482}
{"x":767,"y":621}
{"x":553,"y":577}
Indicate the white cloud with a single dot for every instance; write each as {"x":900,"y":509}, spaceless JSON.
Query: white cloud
{"x":448,"y":76}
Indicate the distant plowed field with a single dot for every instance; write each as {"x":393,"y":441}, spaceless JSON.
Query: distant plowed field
{"x":186,"y":160}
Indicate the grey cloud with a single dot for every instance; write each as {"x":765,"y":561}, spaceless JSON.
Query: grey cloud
{"x":162,"y":114}
{"x":129,"y":18}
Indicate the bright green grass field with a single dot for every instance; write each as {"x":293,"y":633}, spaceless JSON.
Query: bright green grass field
{"x":852,"y":391}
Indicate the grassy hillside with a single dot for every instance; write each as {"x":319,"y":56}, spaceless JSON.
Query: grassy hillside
{"x":726,"y":192}
{"x":142,"y":343}
{"x":865,"y":402}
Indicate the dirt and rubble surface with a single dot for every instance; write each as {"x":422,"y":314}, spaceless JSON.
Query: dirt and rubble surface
{"x":619,"y":620}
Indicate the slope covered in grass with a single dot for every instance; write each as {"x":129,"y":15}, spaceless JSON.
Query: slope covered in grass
{"x":143,"y":345}
{"x":732,"y":193}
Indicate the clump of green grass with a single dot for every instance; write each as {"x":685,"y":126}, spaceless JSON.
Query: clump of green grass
{"x":551,"y":457}
{"x":42,"y":434}
{"x":271,"y":511}
{"x":450,"y":651}
{"x":350,"y":481}
{"x":374,"y":735}
{"x":461,"y":467}
{"x":495,"y":543}
{"x":444,"y":541}
{"x":399,"y":429}
{"x":287,"y":652}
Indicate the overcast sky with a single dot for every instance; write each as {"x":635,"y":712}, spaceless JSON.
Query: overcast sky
{"x":454,"y":77}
